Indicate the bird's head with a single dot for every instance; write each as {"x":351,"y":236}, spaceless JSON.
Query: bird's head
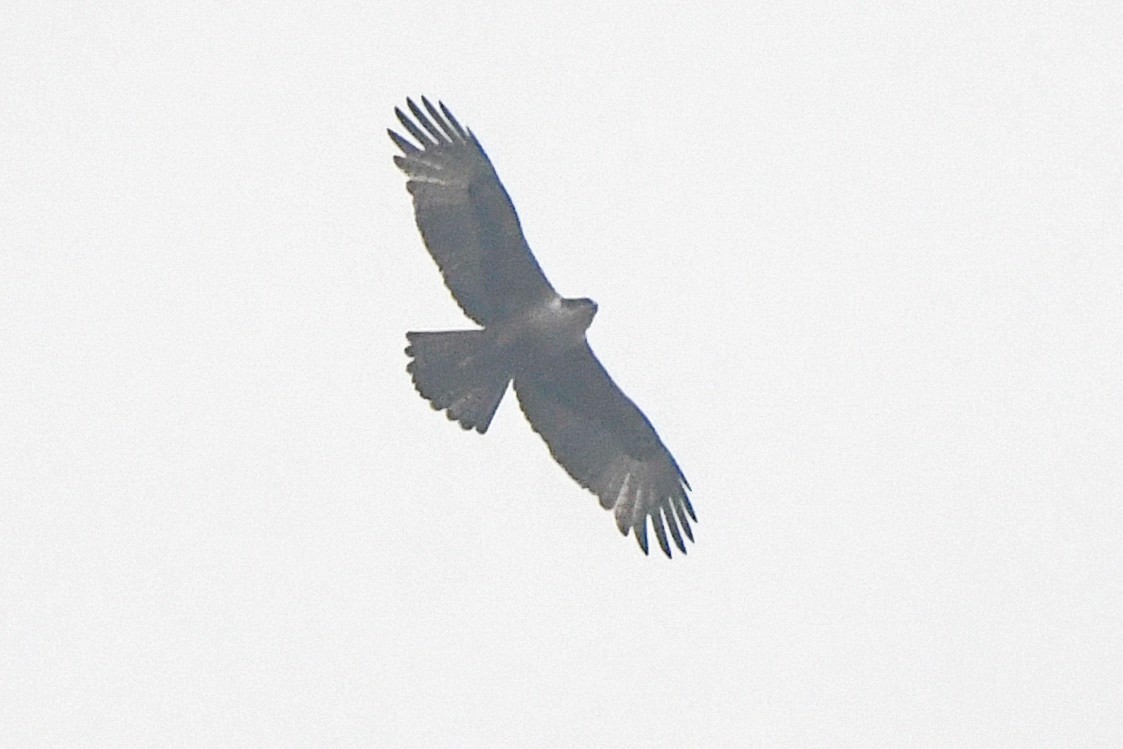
{"x":583,"y":309}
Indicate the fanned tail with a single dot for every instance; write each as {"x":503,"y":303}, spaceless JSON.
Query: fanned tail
{"x":453,"y":371}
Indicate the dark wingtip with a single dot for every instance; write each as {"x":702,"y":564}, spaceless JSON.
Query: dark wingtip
{"x":412,"y":127}
{"x":678,"y":505}
{"x":689,"y":508}
{"x":452,"y":120}
{"x":661,"y":536}
{"x":640,"y":532}
{"x":672,"y":526}
{"x":406,"y":147}
{"x":685,"y":526}
{"x":423,"y":120}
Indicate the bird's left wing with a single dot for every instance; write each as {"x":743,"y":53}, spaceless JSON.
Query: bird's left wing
{"x":466,"y":217}
{"x":599,"y":436}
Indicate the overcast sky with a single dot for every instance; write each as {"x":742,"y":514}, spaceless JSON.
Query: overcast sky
{"x":861,"y":265}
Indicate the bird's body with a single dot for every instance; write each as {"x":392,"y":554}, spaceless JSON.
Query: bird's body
{"x":531,"y":336}
{"x":561,"y":322}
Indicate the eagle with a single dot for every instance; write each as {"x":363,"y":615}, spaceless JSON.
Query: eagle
{"x":529,"y":335}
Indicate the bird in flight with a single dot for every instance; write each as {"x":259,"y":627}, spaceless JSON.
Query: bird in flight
{"x":530,"y":335}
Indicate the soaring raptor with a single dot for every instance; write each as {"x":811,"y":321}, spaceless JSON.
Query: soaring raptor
{"x":530,"y":335}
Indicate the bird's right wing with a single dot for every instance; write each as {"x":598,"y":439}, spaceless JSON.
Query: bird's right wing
{"x":466,"y":217}
{"x":599,"y":436}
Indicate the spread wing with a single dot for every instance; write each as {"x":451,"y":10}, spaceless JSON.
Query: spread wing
{"x":607,"y":445}
{"x":466,"y":217}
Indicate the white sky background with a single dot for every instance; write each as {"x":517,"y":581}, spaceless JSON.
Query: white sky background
{"x":861,"y":265}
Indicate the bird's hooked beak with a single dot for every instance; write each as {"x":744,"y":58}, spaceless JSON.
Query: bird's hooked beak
{"x":590,"y":309}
